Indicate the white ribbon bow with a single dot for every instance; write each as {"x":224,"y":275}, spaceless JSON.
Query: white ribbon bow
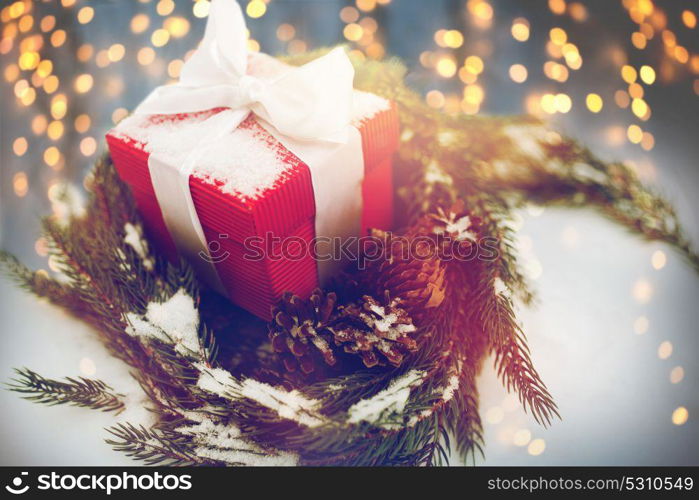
{"x":309,"y":103}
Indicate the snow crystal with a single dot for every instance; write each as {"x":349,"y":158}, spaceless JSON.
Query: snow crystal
{"x":66,"y":201}
{"x":215,"y":380}
{"x":226,"y":444}
{"x":500,"y":287}
{"x":436,"y":175}
{"x":134,"y":238}
{"x":528,"y":138}
{"x":175,"y":321}
{"x":451,"y":388}
{"x":291,"y":405}
{"x":245,"y":161}
{"x":458,"y":228}
{"x":391,"y":400}
{"x":366,"y":105}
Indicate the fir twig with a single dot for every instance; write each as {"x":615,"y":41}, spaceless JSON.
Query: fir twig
{"x":154,"y":447}
{"x":83,"y":392}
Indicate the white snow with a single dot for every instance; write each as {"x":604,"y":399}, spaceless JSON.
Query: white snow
{"x":175,"y":321}
{"x":391,"y":400}
{"x":458,"y":228}
{"x":245,"y":161}
{"x":66,"y":201}
{"x":528,"y":139}
{"x":215,"y":380}
{"x":500,"y":287}
{"x":451,"y":388}
{"x":134,"y":238}
{"x":366,"y":105}
{"x":291,"y":405}
{"x":225,"y":443}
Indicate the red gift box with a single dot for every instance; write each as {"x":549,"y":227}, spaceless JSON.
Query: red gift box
{"x":285,"y":210}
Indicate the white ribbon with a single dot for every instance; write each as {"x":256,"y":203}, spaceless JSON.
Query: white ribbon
{"x":308,"y":109}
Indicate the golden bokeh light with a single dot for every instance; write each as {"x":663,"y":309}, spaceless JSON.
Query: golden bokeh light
{"x":622,"y":99}
{"x":165,"y":7}
{"x":558,"y":7}
{"x":689,"y":19}
{"x":174,"y":68}
{"x":349,"y":15}
{"x":518,"y":73}
{"x":200,"y":8}
{"x":176,"y":26}
{"x":82,"y":123}
{"x":536,"y":447}
{"x":639,"y":40}
{"x":145,"y":56}
{"x":160,"y":37}
{"x":628,"y":74}
{"x":647,"y":74}
{"x":353,"y":32}
{"x":20,"y":146}
{"x":676,"y":375}
{"x":680,"y":415}
{"x":634,"y":133}
{"x":658,"y":260}
{"x":578,"y":12}
{"x":522,"y":437}
{"x":39,"y":124}
{"x":563,"y":103}
{"x":11,"y":72}
{"x":140,"y":23}
{"x":558,"y":36}
{"x":116,"y":52}
{"x":594,"y":103}
{"x":256,"y":8}
{"x":639,"y":107}
{"x":647,"y":141}
{"x":642,"y":290}
{"x":86,"y":14}
{"x":119,"y":114}
{"x":520,"y":29}
{"x":665,"y":350}
{"x":366,"y":5}
{"x":59,"y":106}
{"x":474,"y":65}
{"x":55,"y":130}
{"x":286,"y":32}
{"x":446,"y":67}
{"x":85,"y":52}
{"x":641,"y":325}
{"x":88,"y":146}
{"x":435,"y":99}
{"x":58,"y":38}
{"x":47,"y":23}
{"x":83,"y":83}
{"x":52,"y":156}
{"x":20,"y":184}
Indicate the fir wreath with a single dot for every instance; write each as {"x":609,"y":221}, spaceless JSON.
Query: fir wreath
{"x":380,"y":371}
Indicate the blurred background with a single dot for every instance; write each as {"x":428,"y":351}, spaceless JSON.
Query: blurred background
{"x":614,"y":332}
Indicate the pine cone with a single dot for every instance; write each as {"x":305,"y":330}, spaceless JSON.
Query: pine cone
{"x":301,"y":327}
{"x":418,"y":282}
{"x":376,"y":331}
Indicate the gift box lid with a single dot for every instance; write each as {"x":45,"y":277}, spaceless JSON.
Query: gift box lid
{"x":265,"y":187}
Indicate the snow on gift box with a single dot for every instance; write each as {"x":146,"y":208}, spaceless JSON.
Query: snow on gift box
{"x":218,"y":183}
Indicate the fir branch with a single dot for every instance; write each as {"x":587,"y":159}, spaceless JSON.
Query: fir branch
{"x":154,"y":446}
{"x":83,"y":392}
